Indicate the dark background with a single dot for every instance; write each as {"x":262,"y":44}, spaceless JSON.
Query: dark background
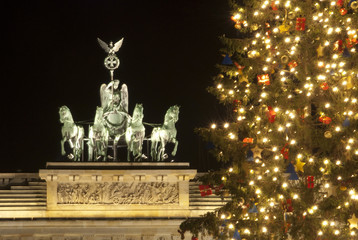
{"x":50,"y":57}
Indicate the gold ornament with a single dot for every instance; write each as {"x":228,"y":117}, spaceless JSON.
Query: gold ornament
{"x":256,"y":152}
{"x":284,"y":28}
{"x":254,"y":27}
{"x":299,"y":165}
{"x":291,"y":15}
{"x":243,"y":78}
{"x":320,"y":51}
{"x":284,"y":59}
{"x":356,"y":116}
{"x":348,"y":80}
{"x":327,"y":134}
{"x":354,"y":5}
{"x":353,"y":222}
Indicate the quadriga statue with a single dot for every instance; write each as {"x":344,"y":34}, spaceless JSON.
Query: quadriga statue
{"x":165,"y":134}
{"x":135,"y":134}
{"x":71,"y":133}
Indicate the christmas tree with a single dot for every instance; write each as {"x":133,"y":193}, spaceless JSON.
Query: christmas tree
{"x":290,"y":144}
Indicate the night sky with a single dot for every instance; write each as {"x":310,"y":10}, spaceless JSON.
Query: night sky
{"x":50,"y":57}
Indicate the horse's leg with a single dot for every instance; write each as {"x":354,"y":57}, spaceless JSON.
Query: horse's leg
{"x":90,"y":150}
{"x":115,"y":141}
{"x":152,"y":147}
{"x":63,"y":152}
{"x":175,"y":147}
{"x":155,"y":151}
{"x":129,"y":151}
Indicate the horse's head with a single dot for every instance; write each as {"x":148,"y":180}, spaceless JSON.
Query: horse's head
{"x":172,"y":114}
{"x":138,"y":112}
{"x":65,"y":114}
{"x":99,"y":115}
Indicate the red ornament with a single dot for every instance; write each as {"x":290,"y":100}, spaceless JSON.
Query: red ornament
{"x":338,"y":46}
{"x":350,"y":42}
{"x":239,"y":67}
{"x":340,"y":3}
{"x":292,"y":64}
{"x":271,"y":114}
{"x":343,"y":11}
{"x":287,"y":206}
{"x":325,"y":120}
{"x":274,"y":6}
{"x":310,"y":183}
{"x":194,"y":238}
{"x":284,"y":151}
{"x":300,"y":24}
{"x":205,"y":190}
{"x":247,"y":140}
{"x":263,"y":79}
{"x":324,"y":86}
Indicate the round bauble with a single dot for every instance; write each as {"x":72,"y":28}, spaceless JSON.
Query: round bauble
{"x":284,"y":59}
{"x":254,"y":27}
{"x":343,"y":188}
{"x":291,"y":15}
{"x":327,"y":134}
{"x":354,"y":5}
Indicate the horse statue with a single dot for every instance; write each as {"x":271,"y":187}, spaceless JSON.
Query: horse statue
{"x":135,"y":134}
{"x":165,"y":134}
{"x":115,"y":111}
{"x":98,"y":138}
{"x":71,"y":133}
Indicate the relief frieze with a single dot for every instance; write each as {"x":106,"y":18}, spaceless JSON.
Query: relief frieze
{"x":118,"y":193}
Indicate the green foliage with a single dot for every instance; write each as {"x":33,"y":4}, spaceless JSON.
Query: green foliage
{"x":305,"y":112}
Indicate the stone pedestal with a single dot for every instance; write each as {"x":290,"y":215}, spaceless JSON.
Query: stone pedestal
{"x":117,"y":189}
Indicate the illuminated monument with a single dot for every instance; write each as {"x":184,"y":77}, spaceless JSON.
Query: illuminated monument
{"x":97,"y":195}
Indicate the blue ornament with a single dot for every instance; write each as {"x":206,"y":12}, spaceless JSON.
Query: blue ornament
{"x":293,"y":176}
{"x":226,"y":60}
{"x":346,"y":122}
{"x":291,"y":170}
{"x":249,"y":156}
{"x":237,"y":235}
{"x":346,"y":53}
{"x":253,"y":209}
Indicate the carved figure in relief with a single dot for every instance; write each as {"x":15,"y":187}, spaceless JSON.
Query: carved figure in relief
{"x":165,"y":134}
{"x":151,"y":193}
{"x":135,"y":134}
{"x":71,"y":133}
